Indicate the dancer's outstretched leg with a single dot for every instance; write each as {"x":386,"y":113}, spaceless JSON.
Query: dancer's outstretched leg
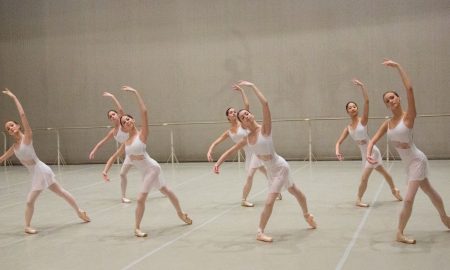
{"x":395,"y":191}
{"x":176,"y":203}
{"x":60,"y":191}
{"x":301,"y":199}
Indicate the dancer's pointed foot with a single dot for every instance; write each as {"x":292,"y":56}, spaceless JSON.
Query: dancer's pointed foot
{"x":125,"y":200}
{"x":246,"y":203}
{"x":260,"y":236}
{"x":396,"y":194}
{"x":83,"y":215}
{"x":139,"y":233}
{"x":30,"y":230}
{"x":403,"y":239}
{"x":184,"y":217}
{"x":446,"y":221}
{"x":359,"y":203}
{"x":310,"y":220}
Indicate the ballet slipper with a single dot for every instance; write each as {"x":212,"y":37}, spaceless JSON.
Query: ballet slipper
{"x":403,"y":239}
{"x":30,"y":230}
{"x":310,"y":220}
{"x":139,"y":233}
{"x":184,"y":217}
{"x":396,"y":194}
{"x":279,"y":197}
{"x":246,"y":203}
{"x":260,"y":236}
{"x":125,"y":200}
{"x":361,"y":204}
{"x":83,"y":215}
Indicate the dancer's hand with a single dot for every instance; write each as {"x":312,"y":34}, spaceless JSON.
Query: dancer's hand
{"x":390,"y":63}
{"x":105,"y":176}
{"x":371,"y":159}
{"x":209,"y":156}
{"x":339,"y":156}
{"x":92,"y":154}
{"x":357,"y":83}
{"x":107,"y":94}
{"x":128,"y":88}
{"x":8,"y":93}
{"x":216,"y":169}
{"x":245,"y":83}
{"x":237,"y":88}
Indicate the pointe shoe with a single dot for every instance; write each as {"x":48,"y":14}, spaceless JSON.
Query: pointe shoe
{"x":83,"y":215}
{"x":279,"y":197}
{"x":30,"y":230}
{"x":139,"y":233}
{"x":246,"y":203}
{"x":184,"y":217}
{"x":403,"y":239}
{"x":126,"y":200}
{"x":397,"y":195}
{"x":310,"y":220}
{"x":260,"y":236}
{"x":361,"y":204}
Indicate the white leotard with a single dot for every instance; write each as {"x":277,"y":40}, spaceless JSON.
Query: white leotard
{"x":360,"y":136}
{"x":151,"y":171}
{"x":121,"y":137}
{"x":41,"y":175}
{"x":251,"y":161}
{"x":278,"y":171}
{"x":415,"y":160}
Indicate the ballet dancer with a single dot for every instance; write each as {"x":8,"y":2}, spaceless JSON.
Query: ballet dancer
{"x":42,"y":176}
{"x":236,"y":133}
{"x":358,"y":131}
{"x":120,"y":136}
{"x":135,"y":150}
{"x":259,"y":140}
{"x":399,"y":130}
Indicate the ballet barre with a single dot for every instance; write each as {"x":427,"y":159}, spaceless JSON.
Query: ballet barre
{"x":170,"y":125}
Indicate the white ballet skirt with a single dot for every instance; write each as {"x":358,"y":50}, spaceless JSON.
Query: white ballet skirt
{"x":152,"y":177}
{"x":121,"y":137}
{"x":251,"y":160}
{"x":415,"y":160}
{"x":41,"y":175}
{"x":278,"y":170}
{"x":360,"y":136}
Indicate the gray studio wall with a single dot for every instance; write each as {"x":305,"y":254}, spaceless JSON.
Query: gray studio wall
{"x":59,"y":56}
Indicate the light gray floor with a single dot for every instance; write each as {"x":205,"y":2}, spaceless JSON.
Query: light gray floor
{"x":223,"y":233}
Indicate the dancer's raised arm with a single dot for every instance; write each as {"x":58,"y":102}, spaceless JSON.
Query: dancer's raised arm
{"x":266,"y":128}
{"x":116,"y":102}
{"x":365,"y":115}
{"x":23,"y":118}
{"x":244,"y":96}
{"x":144,"y":117}
{"x":411,"y":110}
